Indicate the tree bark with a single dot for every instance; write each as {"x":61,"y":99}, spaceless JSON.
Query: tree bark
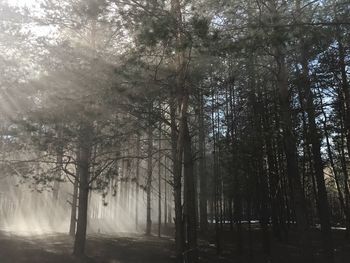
{"x":59,"y":157}
{"x":289,"y":142}
{"x":177,"y":185}
{"x":182,"y":98}
{"x":191,"y":254}
{"x":342,"y":201}
{"x":203,"y":199}
{"x":345,"y":88}
{"x":149,"y":179}
{"x":137,"y":183}
{"x":346,"y":96}
{"x":323,"y":205}
{"x":159,"y":180}
{"x":85,"y":138}
{"x":73,"y":217}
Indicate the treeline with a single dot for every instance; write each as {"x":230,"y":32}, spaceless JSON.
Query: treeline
{"x":242,"y":108}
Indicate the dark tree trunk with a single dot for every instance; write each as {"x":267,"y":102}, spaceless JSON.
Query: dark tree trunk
{"x":345,"y":88}
{"x":56,"y":184}
{"x":258,"y":155}
{"x":289,"y":142}
{"x":177,"y":174}
{"x":166,"y":192}
{"x":323,"y":206}
{"x":344,"y":168}
{"x":346,"y":96}
{"x":342,"y":202}
{"x":191,"y":254}
{"x":159,"y":180}
{"x":181,"y":96}
{"x":137,"y":183}
{"x":84,"y":164}
{"x":273,"y":176}
{"x":216,"y":183}
{"x":149,"y":180}
{"x":73,"y":216}
{"x":203,"y":199}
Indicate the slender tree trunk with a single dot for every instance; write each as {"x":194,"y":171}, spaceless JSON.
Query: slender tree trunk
{"x":307,"y":163}
{"x":182,"y":98}
{"x":335,"y":172}
{"x":203,"y":199}
{"x":83,"y":163}
{"x":190,"y":200}
{"x":59,"y":157}
{"x":165,"y":192}
{"x":323,"y":205}
{"x":216,"y":193}
{"x":344,"y":169}
{"x":149,"y":179}
{"x":73,"y":216}
{"x":177,"y":175}
{"x":273,"y":175}
{"x":258,"y":110}
{"x":345,"y":87}
{"x":289,"y":142}
{"x":346,"y":96}
{"x":159,"y":180}
{"x":250,"y":235}
{"x":137,"y":183}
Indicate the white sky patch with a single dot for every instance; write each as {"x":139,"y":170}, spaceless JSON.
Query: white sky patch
{"x":25,"y":3}
{"x":33,"y":6}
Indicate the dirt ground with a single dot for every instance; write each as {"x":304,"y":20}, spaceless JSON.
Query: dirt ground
{"x":133,"y":248}
{"x":57,"y":248}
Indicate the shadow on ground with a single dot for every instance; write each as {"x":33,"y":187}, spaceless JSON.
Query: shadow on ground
{"x":133,"y":248}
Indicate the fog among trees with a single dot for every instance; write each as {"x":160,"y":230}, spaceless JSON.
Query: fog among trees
{"x":174,"y":131}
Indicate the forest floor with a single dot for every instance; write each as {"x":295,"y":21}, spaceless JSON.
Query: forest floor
{"x":135,"y":248}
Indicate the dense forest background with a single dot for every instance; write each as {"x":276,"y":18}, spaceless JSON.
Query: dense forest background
{"x":223,"y":124}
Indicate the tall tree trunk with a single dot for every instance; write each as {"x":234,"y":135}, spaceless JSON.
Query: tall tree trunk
{"x":149,"y":178}
{"x":289,"y":142}
{"x":258,"y":109}
{"x":203,"y":199}
{"x":344,"y":167}
{"x":182,"y":97}
{"x":73,"y":216}
{"x":345,"y":87}
{"x":59,"y":163}
{"x":85,"y":138}
{"x":342,"y":201}
{"x":166,"y":191}
{"x":263,"y":184}
{"x":191,"y":254}
{"x":307,"y":163}
{"x":346,"y":96}
{"x":323,"y":206}
{"x":216,"y":182}
{"x":159,"y":180}
{"x":177,"y":175}
{"x":273,"y":175}
{"x":137,"y":183}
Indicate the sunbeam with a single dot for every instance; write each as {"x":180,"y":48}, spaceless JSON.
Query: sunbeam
{"x":174,"y":131}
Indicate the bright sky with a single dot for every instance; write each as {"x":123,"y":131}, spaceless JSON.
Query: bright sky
{"x":33,"y":6}
{"x":28,"y":3}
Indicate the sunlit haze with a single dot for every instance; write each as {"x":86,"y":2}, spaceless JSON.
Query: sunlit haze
{"x":174,"y":131}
